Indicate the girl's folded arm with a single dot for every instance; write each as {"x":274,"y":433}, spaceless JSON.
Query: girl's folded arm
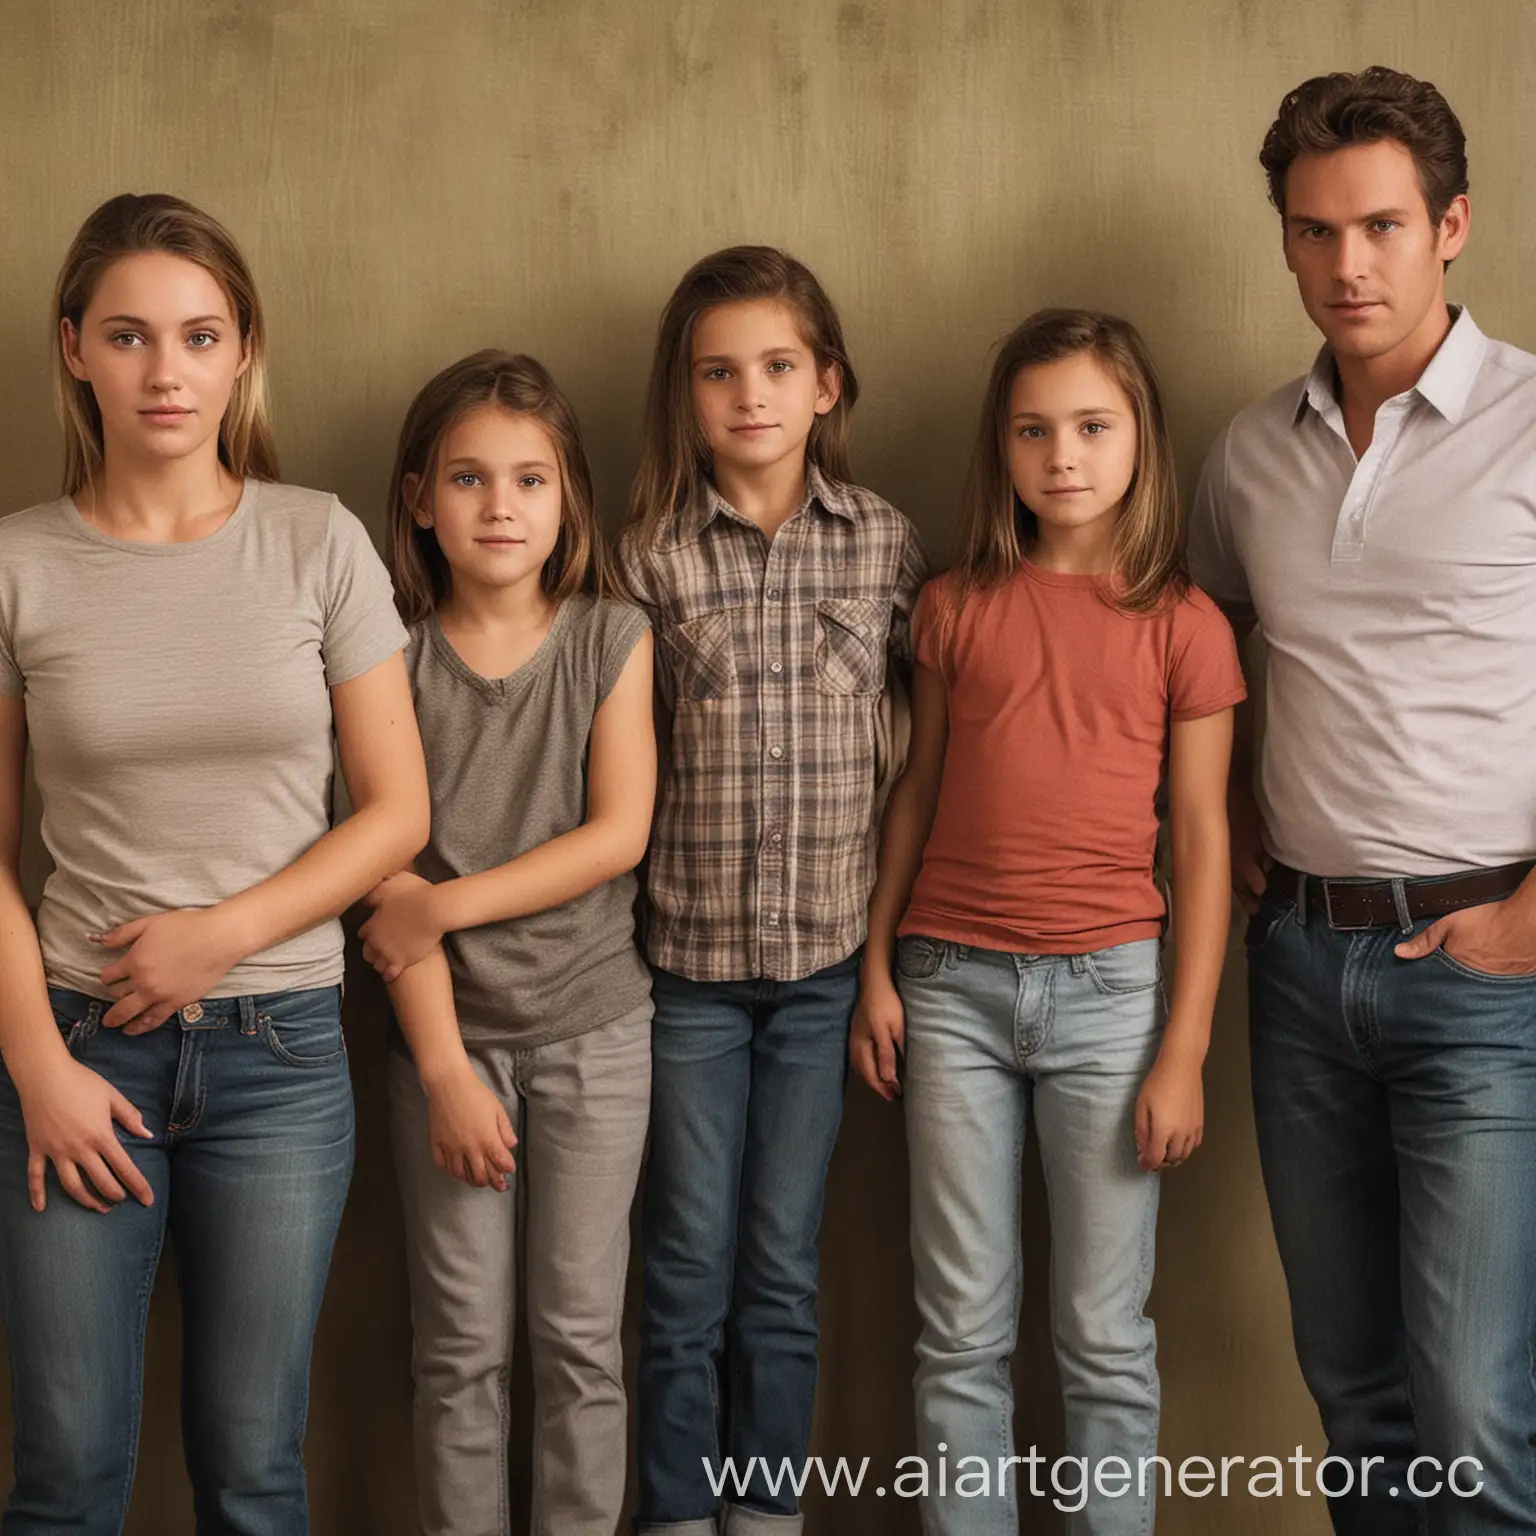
{"x":621,"y":792}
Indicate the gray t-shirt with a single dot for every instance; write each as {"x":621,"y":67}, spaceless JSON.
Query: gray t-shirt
{"x":179,"y":713}
{"x":506,"y":760}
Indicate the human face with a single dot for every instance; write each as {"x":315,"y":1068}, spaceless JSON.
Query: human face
{"x":1369,"y":265}
{"x":495,"y":498}
{"x":756,"y":387}
{"x":160,"y":347}
{"x":1071,"y":445}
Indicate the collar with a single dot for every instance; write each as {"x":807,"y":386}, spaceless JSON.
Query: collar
{"x":1445,"y":383}
{"x":820,"y":490}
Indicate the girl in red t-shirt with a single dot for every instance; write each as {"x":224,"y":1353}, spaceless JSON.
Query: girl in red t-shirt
{"x":1067,"y":670}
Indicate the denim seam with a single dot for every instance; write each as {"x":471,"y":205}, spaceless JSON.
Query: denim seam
{"x":1357,"y":1001}
{"x":135,"y":1419}
{"x":189,"y":1077}
{"x":1144,"y":1286}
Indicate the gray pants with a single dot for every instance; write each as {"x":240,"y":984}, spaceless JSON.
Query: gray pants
{"x":580,"y":1109}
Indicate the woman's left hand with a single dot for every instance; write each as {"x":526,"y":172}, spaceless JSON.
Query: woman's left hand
{"x":173,"y":958}
{"x":1170,"y":1114}
{"x":404,"y":927}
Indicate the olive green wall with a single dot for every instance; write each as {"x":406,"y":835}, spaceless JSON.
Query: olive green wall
{"x":411,"y":182}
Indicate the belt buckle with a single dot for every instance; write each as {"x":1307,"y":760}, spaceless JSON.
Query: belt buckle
{"x":1333,"y":922}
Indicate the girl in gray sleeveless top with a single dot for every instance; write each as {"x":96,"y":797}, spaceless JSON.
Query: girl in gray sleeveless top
{"x":523,"y":1005}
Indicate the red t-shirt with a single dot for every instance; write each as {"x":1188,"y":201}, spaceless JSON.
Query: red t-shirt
{"x":1059,"y":710}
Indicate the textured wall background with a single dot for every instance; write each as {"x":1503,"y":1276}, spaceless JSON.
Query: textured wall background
{"x":411,"y":183}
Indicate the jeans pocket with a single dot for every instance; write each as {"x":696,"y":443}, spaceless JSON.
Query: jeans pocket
{"x":1271,"y":917}
{"x":76,"y":1016}
{"x":1471,"y":972}
{"x":918,"y":958}
{"x":850,"y":644}
{"x":303,"y":1029}
{"x":1123,"y":969}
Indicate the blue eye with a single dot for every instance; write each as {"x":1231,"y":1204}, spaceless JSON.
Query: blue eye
{"x":201,"y":340}
{"x":465,"y":477}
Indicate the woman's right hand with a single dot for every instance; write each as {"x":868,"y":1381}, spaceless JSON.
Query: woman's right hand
{"x":878,"y":1032}
{"x":70,"y":1113}
{"x":472,"y":1138}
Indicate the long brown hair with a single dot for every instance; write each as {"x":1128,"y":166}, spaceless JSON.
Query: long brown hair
{"x":128,"y":225}
{"x":580,"y":560}
{"x":674,"y":457}
{"x":998,"y":529}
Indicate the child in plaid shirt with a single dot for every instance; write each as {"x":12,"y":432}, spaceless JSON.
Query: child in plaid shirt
{"x":781,"y":597}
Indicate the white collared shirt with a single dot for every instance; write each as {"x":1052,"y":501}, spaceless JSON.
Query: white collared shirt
{"x":1397,"y":595}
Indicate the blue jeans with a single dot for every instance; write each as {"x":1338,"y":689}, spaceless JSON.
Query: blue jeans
{"x":250,"y":1106}
{"x":995,"y":1040}
{"x":747,"y":1093}
{"x":1396,"y":1109}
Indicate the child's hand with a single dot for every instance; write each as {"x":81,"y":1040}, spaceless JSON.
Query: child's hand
{"x":404,"y":926}
{"x":471,"y":1136}
{"x":1170,"y":1114}
{"x":878,"y":1032}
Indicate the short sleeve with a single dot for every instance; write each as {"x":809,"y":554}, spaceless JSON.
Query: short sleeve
{"x":634,"y":570}
{"x":1212,"y":558}
{"x":1205,"y":675}
{"x":911,"y":574}
{"x":623,"y":625}
{"x":12,"y":685}
{"x":362,"y":627}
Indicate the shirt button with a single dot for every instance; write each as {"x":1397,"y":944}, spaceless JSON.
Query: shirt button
{"x":772,"y":594}
{"x":773,"y":919}
{"x":775,"y":752}
{"x":775,"y":666}
{"x":776,"y":838}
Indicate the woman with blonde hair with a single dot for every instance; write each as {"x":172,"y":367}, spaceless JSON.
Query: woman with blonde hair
{"x":182,"y":639}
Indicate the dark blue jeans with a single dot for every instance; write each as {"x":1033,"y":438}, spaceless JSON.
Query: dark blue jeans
{"x":747,"y":1083}
{"x":250,"y":1104}
{"x":1396,"y":1110}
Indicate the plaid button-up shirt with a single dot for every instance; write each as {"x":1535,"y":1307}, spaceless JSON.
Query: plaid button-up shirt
{"x":771,"y":659}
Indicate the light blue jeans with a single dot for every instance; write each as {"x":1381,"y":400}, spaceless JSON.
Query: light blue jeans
{"x":993,"y":1041}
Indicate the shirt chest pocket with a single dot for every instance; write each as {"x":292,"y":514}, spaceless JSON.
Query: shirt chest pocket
{"x":700,"y":654}
{"x":851,"y":635}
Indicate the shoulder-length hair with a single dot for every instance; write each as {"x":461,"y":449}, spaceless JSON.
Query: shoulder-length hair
{"x":128,"y":225}
{"x":674,"y":457}
{"x":580,"y":560}
{"x":998,"y":529}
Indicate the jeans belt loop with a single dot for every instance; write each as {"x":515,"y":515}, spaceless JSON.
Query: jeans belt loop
{"x":1301,"y":900}
{"x":1400,"y":901}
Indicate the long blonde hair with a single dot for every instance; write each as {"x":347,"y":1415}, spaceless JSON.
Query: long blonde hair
{"x":128,"y":225}
{"x":674,"y":457}
{"x":998,"y":529}
{"x":580,"y":560}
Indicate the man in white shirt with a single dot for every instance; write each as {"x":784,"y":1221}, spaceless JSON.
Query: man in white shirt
{"x":1377,"y":520}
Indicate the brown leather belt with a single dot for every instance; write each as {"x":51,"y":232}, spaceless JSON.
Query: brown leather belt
{"x":1352,"y":904}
